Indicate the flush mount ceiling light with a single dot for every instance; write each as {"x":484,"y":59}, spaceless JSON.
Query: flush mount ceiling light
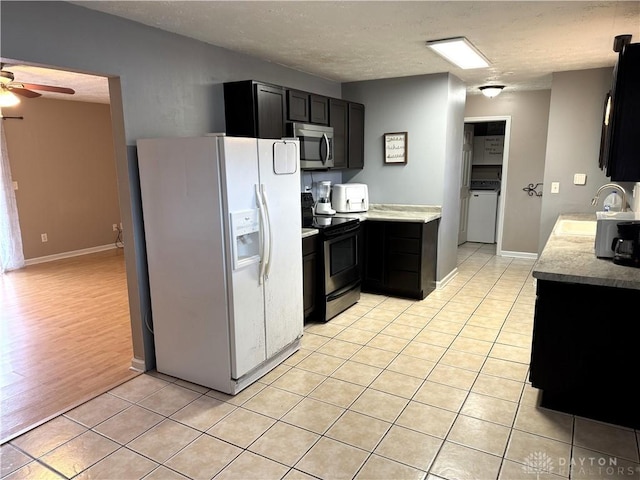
{"x":460,"y":52}
{"x":491,"y":90}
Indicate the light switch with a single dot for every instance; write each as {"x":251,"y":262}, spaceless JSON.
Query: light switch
{"x":15,"y":185}
{"x":555,"y":187}
{"x":580,"y":179}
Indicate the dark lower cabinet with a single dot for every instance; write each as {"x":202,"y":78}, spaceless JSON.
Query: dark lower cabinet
{"x":254,"y":109}
{"x":310,"y":274}
{"x":584,"y":353}
{"x":400,"y":258}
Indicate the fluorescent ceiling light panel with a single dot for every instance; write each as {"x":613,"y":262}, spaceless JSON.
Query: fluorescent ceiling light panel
{"x":460,"y":52}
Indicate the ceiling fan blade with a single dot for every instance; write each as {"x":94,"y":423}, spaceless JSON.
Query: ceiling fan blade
{"x":48,"y":88}
{"x":24,"y":92}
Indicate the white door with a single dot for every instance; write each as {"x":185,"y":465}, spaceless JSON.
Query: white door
{"x":239,"y":166}
{"x":279,"y":163}
{"x":465,"y":182}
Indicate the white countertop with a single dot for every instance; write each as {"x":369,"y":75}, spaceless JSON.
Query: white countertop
{"x":390,"y":213}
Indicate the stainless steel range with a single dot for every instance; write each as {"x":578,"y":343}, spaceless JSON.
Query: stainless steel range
{"x":340,"y":262}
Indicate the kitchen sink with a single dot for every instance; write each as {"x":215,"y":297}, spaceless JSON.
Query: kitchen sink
{"x":576,"y":227}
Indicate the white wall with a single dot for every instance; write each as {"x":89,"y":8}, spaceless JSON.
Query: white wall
{"x":430,"y":108}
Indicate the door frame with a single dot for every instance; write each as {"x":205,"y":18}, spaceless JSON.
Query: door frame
{"x":505,"y":165}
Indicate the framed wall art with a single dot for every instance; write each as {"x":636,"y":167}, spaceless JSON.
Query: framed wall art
{"x":395,"y":148}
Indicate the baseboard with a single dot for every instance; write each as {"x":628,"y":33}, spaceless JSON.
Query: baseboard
{"x":137,"y":365}
{"x":443,"y":283}
{"x":74,"y":253}
{"x":530,"y":256}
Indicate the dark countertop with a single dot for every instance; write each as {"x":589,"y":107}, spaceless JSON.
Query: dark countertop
{"x":569,"y":256}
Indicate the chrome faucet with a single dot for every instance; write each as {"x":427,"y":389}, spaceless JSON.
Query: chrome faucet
{"x":615,"y":186}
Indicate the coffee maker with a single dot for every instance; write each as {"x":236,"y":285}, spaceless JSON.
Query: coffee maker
{"x":323,"y":205}
{"x":626,"y":246}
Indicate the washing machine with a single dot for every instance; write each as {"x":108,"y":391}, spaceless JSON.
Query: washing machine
{"x":483,"y":211}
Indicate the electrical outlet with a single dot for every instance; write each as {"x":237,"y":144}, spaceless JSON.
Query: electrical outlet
{"x":115,"y":227}
{"x":555,"y":187}
{"x":43,"y":237}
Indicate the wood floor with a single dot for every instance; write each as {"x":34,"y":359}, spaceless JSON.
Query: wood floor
{"x":65,"y":337}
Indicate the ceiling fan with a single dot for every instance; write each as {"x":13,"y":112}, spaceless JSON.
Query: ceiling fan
{"x":7,"y":84}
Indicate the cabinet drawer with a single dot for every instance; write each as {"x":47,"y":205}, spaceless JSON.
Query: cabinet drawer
{"x":405,"y":230}
{"x":403,"y":261}
{"x":404,"y":245}
{"x":309,"y":245}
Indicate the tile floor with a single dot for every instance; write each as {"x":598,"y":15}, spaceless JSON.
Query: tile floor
{"x":390,"y":389}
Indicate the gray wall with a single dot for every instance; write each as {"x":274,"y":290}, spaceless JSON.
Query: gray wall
{"x":430,"y":108}
{"x":573,"y":144}
{"x":529,"y":112}
{"x":170,"y":86}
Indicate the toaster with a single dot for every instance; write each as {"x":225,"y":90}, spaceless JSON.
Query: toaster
{"x":350,"y":197}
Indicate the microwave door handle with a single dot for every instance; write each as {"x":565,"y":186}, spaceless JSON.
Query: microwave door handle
{"x":326,"y":141}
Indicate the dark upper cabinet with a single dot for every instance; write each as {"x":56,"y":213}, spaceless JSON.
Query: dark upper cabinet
{"x":261,"y":110}
{"x":297,"y":106}
{"x":347,"y":120}
{"x":254,"y":109}
{"x":319,"y":109}
{"x":339,"y":119}
{"x":622,"y":140}
{"x":356,"y":135}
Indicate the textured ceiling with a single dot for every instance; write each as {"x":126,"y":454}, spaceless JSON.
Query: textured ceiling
{"x":363,"y":40}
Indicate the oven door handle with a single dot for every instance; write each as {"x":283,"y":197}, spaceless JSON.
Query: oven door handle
{"x":343,"y":291}
{"x":265,"y":202}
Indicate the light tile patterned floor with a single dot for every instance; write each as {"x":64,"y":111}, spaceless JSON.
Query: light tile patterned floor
{"x":390,"y":389}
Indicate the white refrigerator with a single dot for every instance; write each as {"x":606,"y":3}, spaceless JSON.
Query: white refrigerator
{"x":222,"y":227}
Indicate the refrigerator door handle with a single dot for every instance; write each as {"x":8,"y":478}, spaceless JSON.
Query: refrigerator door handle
{"x":270,"y":237}
{"x":263,"y":240}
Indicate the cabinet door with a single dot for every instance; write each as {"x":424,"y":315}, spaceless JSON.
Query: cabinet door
{"x":297,"y":106}
{"x":356,"y":135}
{"x":374,"y":256}
{"x":310,"y":274}
{"x":270,"y":106}
{"x":338,"y":119}
{"x":319,"y":109}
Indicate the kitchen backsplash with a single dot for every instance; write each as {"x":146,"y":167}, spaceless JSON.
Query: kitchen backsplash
{"x":311,"y":179}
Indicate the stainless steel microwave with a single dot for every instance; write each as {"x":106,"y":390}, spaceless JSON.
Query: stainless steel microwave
{"x":316,"y":145}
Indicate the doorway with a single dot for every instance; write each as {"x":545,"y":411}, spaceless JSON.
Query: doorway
{"x":485,"y":160}
{"x":66,"y":327}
